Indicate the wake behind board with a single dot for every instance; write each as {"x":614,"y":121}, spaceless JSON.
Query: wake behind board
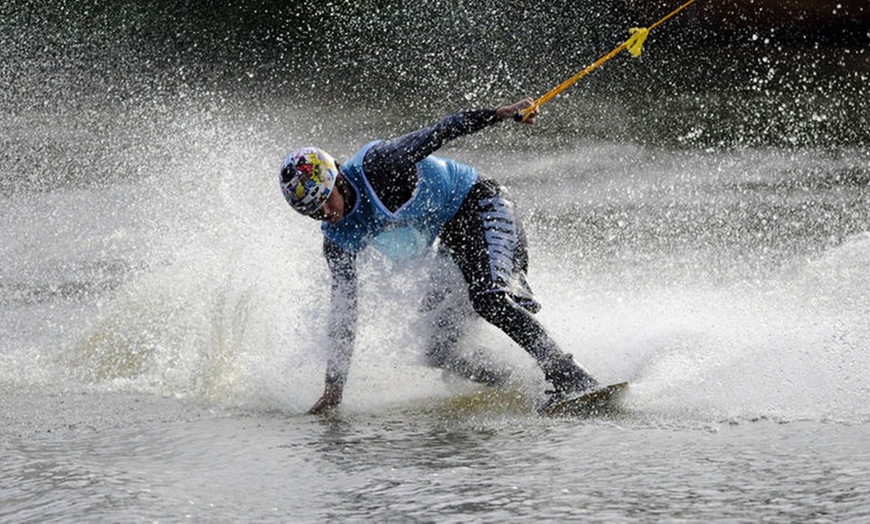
{"x":600,"y":402}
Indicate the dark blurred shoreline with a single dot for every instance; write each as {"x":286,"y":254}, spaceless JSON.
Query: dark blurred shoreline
{"x":834,"y":19}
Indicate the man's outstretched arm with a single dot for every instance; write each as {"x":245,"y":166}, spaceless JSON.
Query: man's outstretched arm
{"x":390,"y":166}
{"x":342,"y":324}
{"x":417,"y":145}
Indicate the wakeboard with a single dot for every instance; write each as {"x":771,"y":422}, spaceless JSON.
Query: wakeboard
{"x":599,"y":402}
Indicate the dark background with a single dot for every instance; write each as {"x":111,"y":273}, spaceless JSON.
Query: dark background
{"x":722,"y":74}
{"x":417,"y":47}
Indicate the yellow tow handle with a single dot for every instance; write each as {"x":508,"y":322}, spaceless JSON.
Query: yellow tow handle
{"x":634,"y":45}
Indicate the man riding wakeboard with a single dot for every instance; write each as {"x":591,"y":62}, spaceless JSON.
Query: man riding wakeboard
{"x":398,"y":185}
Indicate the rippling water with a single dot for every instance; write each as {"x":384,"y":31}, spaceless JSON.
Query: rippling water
{"x":400,"y":465}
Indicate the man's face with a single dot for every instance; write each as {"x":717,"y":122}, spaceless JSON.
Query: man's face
{"x":333,"y":209}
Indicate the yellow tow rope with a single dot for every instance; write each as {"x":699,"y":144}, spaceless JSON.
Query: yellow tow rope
{"x":634,"y":45}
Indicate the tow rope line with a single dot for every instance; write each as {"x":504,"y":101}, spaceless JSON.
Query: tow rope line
{"x":633,"y":45}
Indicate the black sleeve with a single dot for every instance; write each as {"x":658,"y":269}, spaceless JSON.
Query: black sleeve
{"x":390,"y":166}
{"x":343,"y":311}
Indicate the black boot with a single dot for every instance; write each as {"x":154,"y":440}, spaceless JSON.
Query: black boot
{"x":568,"y":379}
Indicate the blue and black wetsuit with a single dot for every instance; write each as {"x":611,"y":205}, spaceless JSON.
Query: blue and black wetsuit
{"x":397,"y":186}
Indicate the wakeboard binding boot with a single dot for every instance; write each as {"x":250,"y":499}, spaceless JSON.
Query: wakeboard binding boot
{"x":568,"y":380}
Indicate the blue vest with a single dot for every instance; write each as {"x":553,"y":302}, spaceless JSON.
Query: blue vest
{"x":442,"y":186}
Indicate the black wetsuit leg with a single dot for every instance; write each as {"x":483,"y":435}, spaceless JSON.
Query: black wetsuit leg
{"x":448,"y":316}
{"x":486,"y":240}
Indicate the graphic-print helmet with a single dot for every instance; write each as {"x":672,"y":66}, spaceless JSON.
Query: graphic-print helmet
{"x":307,"y":179}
